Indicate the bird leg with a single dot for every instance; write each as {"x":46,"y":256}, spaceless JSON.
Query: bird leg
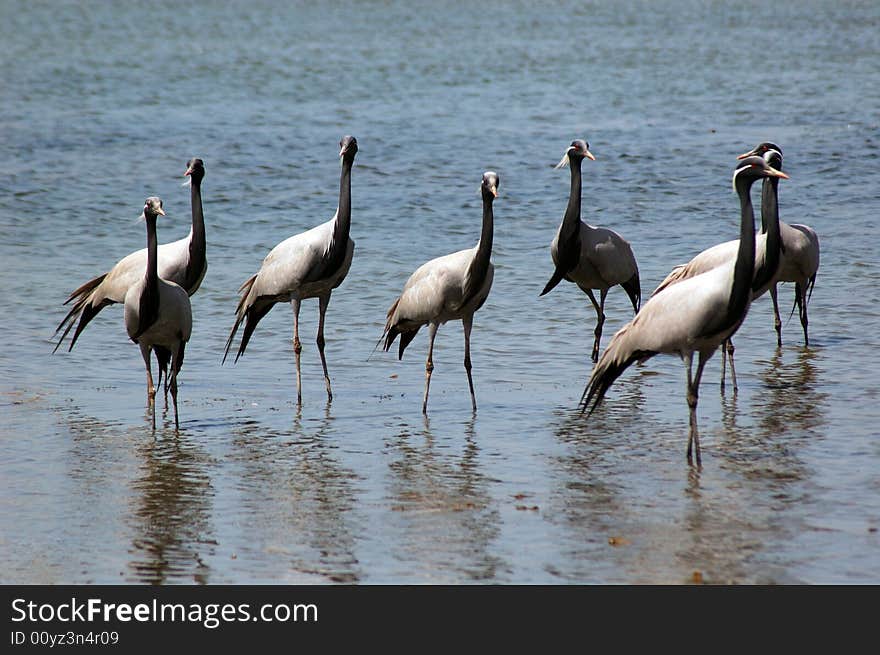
{"x":727,"y":353}
{"x":800,"y":295}
{"x":429,"y":365}
{"x":730,"y":351}
{"x":151,"y":390}
{"x":467,"y":323}
{"x":173,"y":387}
{"x":176,"y":364}
{"x":600,"y":320}
{"x":323,"y":301}
{"x":691,"y":401}
{"x":297,"y":348}
{"x":777,"y":323}
{"x":693,"y":394}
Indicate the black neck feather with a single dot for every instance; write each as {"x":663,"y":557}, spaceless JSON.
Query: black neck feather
{"x":769,"y":225}
{"x":197,"y":246}
{"x":479,"y":267}
{"x":569,"y":244}
{"x":743,"y":270}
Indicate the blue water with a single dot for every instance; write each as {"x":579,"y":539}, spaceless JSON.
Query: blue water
{"x":102,"y":104}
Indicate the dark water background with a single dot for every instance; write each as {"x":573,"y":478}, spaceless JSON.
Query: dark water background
{"x":101,"y":104}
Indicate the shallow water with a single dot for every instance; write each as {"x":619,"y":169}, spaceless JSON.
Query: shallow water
{"x":102,"y":106}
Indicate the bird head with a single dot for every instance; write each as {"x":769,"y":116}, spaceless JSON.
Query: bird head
{"x":578,"y":149}
{"x":753,"y":167}
{"x":774,"y":158}
{"x":153,"y":207}
{"x":195,"y":168}
{"x":348,"y":146}
{"x":760,"y":149}
{"x":490,"y":184}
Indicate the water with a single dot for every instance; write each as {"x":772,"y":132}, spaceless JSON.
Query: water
{"x":102,"y":105}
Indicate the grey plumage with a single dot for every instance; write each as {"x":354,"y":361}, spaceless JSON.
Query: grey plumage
{"x":768,"y":253}
{"x":451,"y":287}
{"x":183,"y":261}
{"x":694,"y":316}
{"x":307,"y":265}
{"x":158,"y":315}
{"x":591,"y":257}
{"x":799,"y":261}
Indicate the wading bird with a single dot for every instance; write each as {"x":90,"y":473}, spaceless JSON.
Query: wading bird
{"x":591,"y":257}
{"x":800,"y":257}
{"x":182,"y":262}
{"x":768,"y":255}
{"x":448,"y":288}
{"x":307,"y":265}
{"x":695,"y":315}
{"x":158,"y":315}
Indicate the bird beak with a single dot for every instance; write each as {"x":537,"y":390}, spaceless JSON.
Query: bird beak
{"x":590,"y":156}
{"x":160,"y":211}
{"x":748,"y":154}
{"x":494,"y":190}
{"x":188,"y":171}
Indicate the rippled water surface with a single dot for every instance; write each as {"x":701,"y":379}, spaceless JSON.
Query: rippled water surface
{"x":102,"y":104}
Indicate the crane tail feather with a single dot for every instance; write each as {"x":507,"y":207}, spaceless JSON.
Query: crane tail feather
{"x":611,"y":366}
{"x":558,"y":276}
{"x":163,"y":358}
{"x":634,"y":290}
{"x":405,"y":339}
{"x":84,"y":290}
{"x":82,"y":311}
{"x":250,"y":313}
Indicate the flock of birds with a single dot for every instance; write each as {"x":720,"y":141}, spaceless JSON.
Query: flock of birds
{"x":695,"y":310}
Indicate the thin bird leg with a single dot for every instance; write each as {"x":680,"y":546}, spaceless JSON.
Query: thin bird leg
{"x":151,"y":390}
{"x":297,"y":348}
{"x":468,"y":322}
{"x":600,"y":320}
{"x":800,"y":291}
{"x":429,"y":365}
{"x":723,"y":363}
{"x":176,"y":364}
{"x":777,"y":323}
{"x":730,"y":351}
{"x":173,"y":387}
{"x":693,"y":396}
{"x":323,"y":301}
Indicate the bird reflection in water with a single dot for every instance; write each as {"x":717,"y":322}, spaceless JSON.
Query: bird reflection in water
{"x":790,"y":403}
{"x":787,"y":410}
{"x":297,"y":502}
{"x":172,"y":513}
{"x":447,"y":521}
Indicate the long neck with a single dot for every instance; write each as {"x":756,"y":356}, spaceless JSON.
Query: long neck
{"x":197,"y":245}
{"x":743,"y":270}
{"x":484,"y":247}
{"x":769,"y":225}
{"x":568,"y":246}
{"x":148,"y":309}
{"x":339,"y":241}
{"x":343,"y":212}
{"x":479,"y":266}
{"x":152,"y":274}
{"x":573,"y":211}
